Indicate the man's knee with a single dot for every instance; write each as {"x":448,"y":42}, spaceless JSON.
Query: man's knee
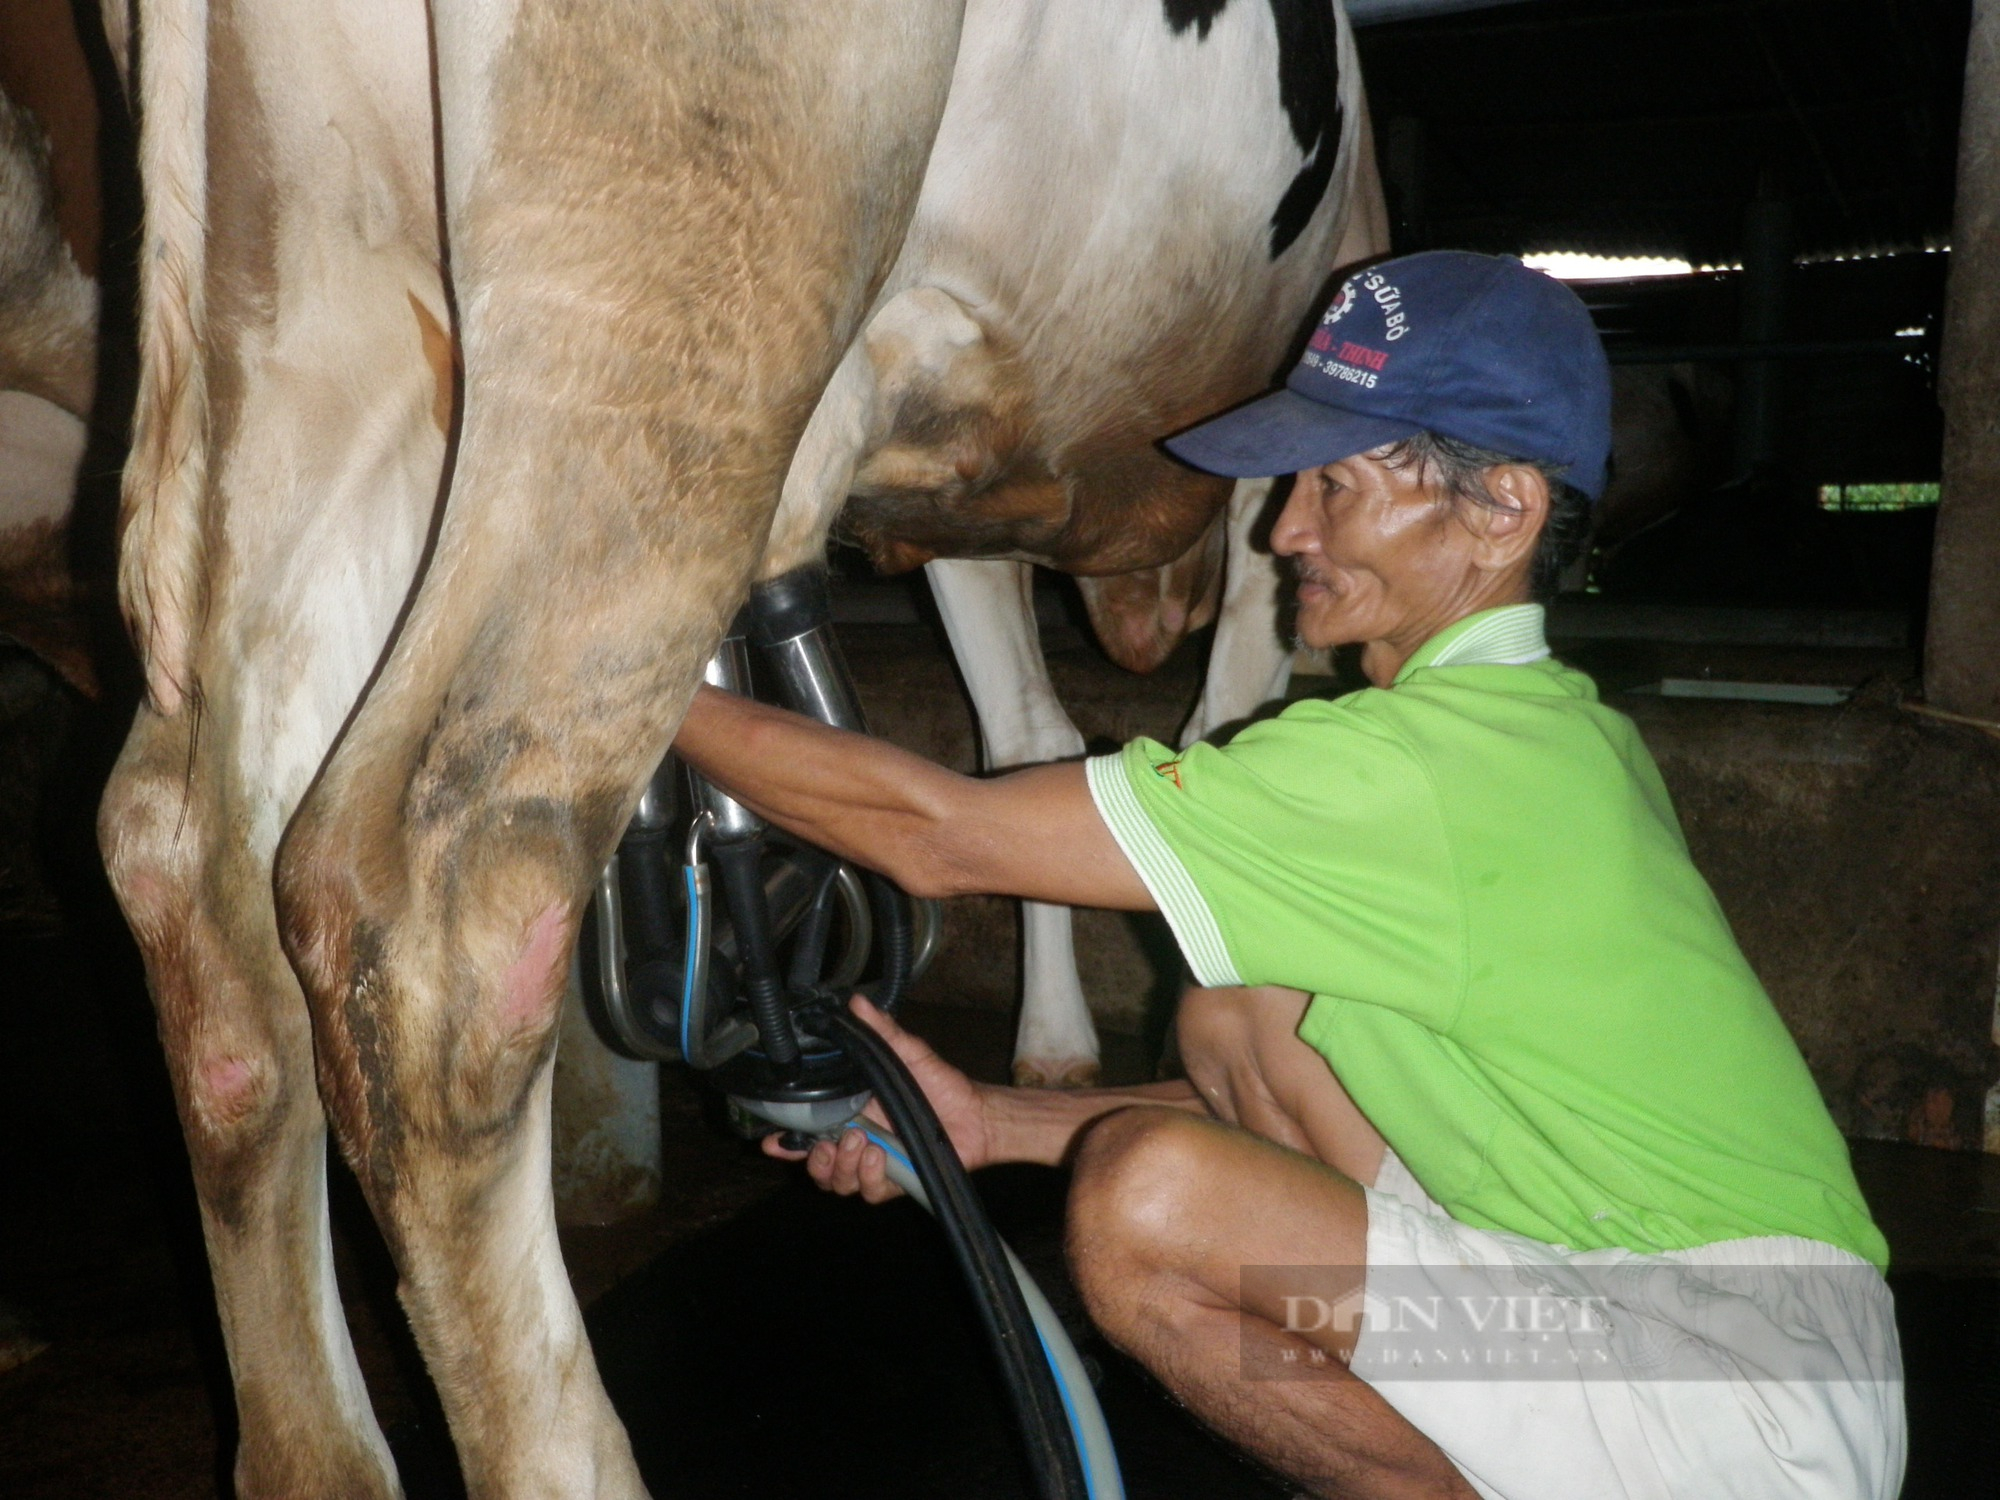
{"x":1209,"y":1022}
{"x":1139,"y":1175}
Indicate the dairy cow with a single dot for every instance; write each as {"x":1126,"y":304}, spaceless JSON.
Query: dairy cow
{"x":664,"y":222}
{"x":422,"y":569}
{"x":1131,"y":210}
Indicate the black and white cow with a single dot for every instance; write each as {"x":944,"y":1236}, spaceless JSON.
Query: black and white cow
{"x":1131,"y":210}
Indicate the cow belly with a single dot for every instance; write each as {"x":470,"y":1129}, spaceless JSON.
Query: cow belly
{"x":1041,"y":339}
{"x":1127,"y":512}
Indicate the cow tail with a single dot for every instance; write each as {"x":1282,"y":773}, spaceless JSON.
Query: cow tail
{"x":161,"y":516}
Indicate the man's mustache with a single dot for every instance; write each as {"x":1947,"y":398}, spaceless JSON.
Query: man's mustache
{"x":1303,"y":571}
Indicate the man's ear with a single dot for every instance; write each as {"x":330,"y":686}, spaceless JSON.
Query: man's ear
{"x":1509,"y":530}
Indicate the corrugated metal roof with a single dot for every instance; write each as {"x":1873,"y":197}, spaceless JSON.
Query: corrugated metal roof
{"x":1375,"y":12}
{"x":1628,"y":127}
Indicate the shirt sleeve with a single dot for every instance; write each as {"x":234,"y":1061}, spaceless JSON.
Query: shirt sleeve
{"x":1309,"y":852}
{"x":1180,"y":899}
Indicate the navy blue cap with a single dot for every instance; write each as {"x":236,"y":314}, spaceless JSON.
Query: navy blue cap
{"x":1474,"y":347}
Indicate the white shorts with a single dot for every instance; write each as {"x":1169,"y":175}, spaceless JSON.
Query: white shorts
{"x":1752,"y":1368}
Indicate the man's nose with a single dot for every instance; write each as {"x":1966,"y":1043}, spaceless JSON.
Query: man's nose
{"x":1291,"y":532}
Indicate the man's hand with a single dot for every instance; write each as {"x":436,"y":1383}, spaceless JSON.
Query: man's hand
{"x":852,"y":1165}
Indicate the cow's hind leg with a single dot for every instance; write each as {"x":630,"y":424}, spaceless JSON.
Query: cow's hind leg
{"x":239,"y":1052}
{"x":665,"y":224}
{"x":429,"y":892}
{"x":989,"y":614}
{"x":283,"y":476}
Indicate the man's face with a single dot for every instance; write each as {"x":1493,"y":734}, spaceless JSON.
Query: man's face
{"x":1380,"y":554}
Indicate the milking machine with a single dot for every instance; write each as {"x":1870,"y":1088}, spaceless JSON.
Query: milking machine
{"x":725,"y":943}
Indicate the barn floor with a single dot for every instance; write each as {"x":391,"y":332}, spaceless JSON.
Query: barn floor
{"x":758,"y":1337}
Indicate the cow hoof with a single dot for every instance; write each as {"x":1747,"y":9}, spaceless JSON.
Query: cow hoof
{"x":1035,"y":1073}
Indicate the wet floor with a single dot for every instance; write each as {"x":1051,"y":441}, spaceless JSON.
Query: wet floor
{"x":839,"y":1356}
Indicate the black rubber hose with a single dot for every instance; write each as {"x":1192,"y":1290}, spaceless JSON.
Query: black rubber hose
{"x":741,"y":865}
{"x":1044,"y":1424}
{"x":651,"y":893}
{"x":809,"y":942}
{"x":895,"y":939}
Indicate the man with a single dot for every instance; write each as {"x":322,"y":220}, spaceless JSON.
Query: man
{"x":1471,"y":1025}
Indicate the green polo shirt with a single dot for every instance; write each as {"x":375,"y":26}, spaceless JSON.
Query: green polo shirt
{"x":1516,"y":971}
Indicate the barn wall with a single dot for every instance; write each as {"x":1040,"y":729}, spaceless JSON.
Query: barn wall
{"x":1851,"y":849}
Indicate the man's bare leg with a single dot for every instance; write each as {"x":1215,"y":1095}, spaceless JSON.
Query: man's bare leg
{"x":1165,"y":1211}
{"x":1243,"y":1055}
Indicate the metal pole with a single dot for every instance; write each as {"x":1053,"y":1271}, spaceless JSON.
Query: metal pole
{"x":1962,"y":645}
{"x":1767,"y":267}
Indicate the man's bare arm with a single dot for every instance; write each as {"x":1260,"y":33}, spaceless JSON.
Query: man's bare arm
{"x":1033,"y":833}
{"x":986,"y":1122}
